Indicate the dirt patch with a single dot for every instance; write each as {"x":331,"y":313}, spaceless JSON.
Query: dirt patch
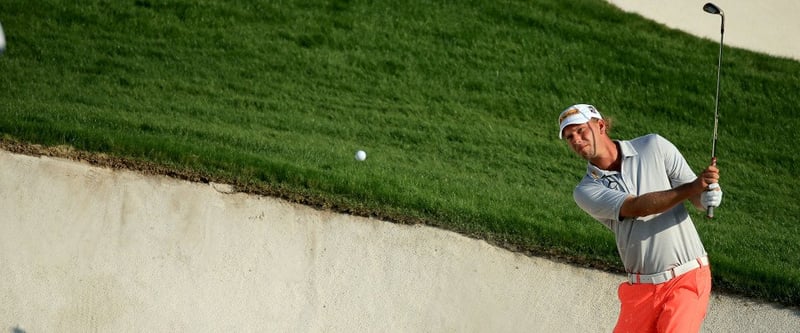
{"x":99,"y":159}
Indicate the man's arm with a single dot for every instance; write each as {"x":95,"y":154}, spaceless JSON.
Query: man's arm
{"x":695,"y":199}
{"x":661,"y":201}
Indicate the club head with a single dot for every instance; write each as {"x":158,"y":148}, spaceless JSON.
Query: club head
{"x":2,"y":40}
{"x":712,"y":9}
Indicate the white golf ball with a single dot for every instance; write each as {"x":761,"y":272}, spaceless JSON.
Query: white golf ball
{"x":361,"y":155}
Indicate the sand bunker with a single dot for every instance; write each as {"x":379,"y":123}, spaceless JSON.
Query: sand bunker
{"x":92,"y":249}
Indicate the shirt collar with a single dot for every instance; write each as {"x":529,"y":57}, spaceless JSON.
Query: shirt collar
{"x":626,"y":149}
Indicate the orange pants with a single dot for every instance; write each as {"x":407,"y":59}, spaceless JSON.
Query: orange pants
{"x":678,"y":305}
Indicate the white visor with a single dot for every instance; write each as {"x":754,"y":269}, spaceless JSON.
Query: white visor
{"x":577,"y":114}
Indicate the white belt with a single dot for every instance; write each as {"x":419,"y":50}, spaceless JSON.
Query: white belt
{"x":670,"y":274}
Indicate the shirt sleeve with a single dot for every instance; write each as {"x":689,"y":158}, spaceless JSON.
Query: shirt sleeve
{"x":678,"y":170}
{"x":600,"y":202}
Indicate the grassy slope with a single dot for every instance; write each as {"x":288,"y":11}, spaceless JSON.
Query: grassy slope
{"x":454,"y":103}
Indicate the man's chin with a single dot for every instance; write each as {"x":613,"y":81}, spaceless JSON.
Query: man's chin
{"x":587,"y":154}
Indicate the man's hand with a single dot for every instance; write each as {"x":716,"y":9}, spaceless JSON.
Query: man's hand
{"x":712,"y":197}
{"x":709,"y":176}
{"x":707,"y":182}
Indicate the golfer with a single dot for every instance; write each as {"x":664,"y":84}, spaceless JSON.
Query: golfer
{"x":637,"y":189}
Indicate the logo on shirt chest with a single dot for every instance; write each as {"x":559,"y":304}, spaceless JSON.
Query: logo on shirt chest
{"x":612,"y":182}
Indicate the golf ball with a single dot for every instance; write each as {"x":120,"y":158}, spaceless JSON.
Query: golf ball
{"x":361,"y":155}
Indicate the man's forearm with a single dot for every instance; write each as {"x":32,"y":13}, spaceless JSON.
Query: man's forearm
{"x":658,"y":202}
{"x":697,"y":203}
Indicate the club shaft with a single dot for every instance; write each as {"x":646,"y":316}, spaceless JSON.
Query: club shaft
{"x":716,"y":101}
{"x":710,"y":209}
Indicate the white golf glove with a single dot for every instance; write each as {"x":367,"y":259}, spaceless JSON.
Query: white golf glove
{"x":712,"y":197}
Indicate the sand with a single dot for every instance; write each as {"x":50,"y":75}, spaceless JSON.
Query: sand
{"x":85,"y":248}
{"x":767,"y":26}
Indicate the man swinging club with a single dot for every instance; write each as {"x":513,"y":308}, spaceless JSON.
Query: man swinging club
{"x":637,"y":189}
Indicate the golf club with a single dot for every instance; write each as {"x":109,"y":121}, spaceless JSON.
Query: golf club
{"x":713,"y":9}
{"x":2,"y":40}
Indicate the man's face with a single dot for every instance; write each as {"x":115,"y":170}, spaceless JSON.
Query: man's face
{"x":581,"y":139}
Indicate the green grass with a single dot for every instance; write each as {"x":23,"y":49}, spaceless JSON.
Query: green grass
{"x":454,"y":102}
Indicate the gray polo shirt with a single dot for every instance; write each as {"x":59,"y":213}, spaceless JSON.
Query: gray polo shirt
{"x":646,"y":244}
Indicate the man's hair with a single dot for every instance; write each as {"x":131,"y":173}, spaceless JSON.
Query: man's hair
{"x":608,"y":122}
